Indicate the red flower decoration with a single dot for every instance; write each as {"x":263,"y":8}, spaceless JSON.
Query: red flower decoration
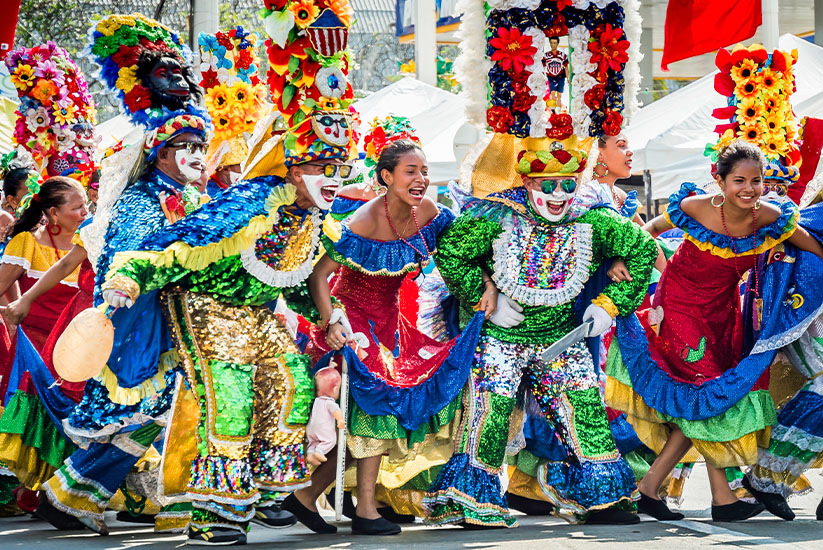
{"x":209,"y":79}
{"x":613,"y":122}
{"x":513,"y":50}
{"x":138,"y":98}
{"x":175,"y":204}
{"x":275,"y":5}
{"x":608,"y":49}
{"x":244,"y":59}
{"x":225,"y":40}
{"x":126,"y":56}
{"x":593,"y":98}
{"x":499,"y":119}
{"x":558,"y":27}
{"x":561,"y":126}
{"x":523,"y":102}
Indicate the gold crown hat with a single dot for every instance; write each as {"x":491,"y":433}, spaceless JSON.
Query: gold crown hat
{"x":547,"y":157}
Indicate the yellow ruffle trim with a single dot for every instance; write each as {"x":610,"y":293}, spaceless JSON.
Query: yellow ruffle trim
{"x":653,"y":431}
{"x":768,"y":242}
{"x":24,"y":462}
{"x":147,"y":388}
{"x":195,"y":258}
{"x":333,"y":229}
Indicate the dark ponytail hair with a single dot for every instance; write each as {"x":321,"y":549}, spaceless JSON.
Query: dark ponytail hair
{"x":390,"y":157}
{"x":53,"y":192}
{"x":15,"y":180}
{"x":735,"y":152}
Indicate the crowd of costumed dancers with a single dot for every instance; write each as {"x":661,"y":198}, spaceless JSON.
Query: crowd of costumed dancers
{"x":250,"y":308}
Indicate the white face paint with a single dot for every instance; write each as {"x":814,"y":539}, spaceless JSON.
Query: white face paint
{"x":551,"y":206}
{"x":190,"y":164}
{"x":321,"y":189}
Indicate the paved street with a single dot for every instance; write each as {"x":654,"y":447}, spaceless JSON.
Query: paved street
{"x":697,"y":531}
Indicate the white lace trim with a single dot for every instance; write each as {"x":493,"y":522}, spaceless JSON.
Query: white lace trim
{"x":284,"y":279}
{"x":782,"y":464}
{"x":767,"y":485}
{"x":780,"y":340}
{"x":508,"y":261}
{"x":82,"y":438}
{"x":16,"y":260}
{"x":799,"y":438}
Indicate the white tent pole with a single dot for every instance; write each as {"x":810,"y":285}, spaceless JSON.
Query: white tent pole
{"x":425,"y":41}
{"x":771,"y":27}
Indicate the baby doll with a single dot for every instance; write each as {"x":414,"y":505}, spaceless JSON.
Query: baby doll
{"x":320,"y":429}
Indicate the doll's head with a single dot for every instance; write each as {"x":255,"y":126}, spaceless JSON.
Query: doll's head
{"x":327,"y":383}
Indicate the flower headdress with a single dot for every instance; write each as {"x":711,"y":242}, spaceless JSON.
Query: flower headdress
{"x":56,"y":115}
{"x":308,"y":76}
{"x":127,"y":48}
{"x":235,"y":96}
{"x":758,"y":86}
{"x":383,"y":132}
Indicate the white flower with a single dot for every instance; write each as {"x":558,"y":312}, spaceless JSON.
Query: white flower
{"x":208,"y":61}
{"x":331,"y":82}
{"x":64,"y":138}
{"x":227,"y":77}
{"x":37,"y":118}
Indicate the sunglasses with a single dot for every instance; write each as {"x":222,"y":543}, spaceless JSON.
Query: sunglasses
{"x":190,"y":146}
{"x":779,"y":189}
{"x":329,"y":170}
{"x":548,"y":186}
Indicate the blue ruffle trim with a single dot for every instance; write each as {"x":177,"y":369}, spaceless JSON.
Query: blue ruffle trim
{"x":413,"y":406}
{"x":459,"y":485}
{"x":218,"y":219}
{"x":391,"y":256}
{"x":699,"y":232}
{"x":780,"y":326}
{"x":803,"y":412}
{"x":624,"y":435}
{"x":630,"y":206}
{"x":342,"y":206}
{"x":591,"y":485}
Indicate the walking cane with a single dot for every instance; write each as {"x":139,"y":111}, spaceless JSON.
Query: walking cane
{"x":341,"y":442}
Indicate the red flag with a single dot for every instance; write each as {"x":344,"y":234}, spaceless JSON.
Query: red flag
{"x":8,"y":23}
{"x":695,"y":27}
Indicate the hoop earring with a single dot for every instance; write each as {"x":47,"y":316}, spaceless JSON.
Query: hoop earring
{"x":601,"y":163}
{"x":51,"y":227}
{"x":721,"y":203}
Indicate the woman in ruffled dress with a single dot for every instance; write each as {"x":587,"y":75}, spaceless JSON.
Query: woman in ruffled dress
{"x":405,"y":386}
{"x":679,"y":382}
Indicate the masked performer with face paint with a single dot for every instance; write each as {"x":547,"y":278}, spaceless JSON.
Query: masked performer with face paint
{"x":235,"y":98}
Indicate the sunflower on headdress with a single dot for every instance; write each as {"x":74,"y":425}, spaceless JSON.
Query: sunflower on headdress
{"x":749,"y":110}
{"x":744,"y":70}
{"x":304,"y":11}
{"x":23,"y":77}
{"x":774,"y":145}
{"x":774,"y":121}
{"x":771,"y":81}
{"x":752,"y":132}
{"x":747,"y":88}
{"x":65,"y":115}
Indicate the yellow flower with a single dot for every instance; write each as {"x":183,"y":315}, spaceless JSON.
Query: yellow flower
{"x":65,"y":115}
{"x":23,"y":77}
{"x":126,"y":79}
{"x":109,"y":25}
{"x":773,"y":145}
{"x":770,"y":103}
{"x":217,"y":99}
{"x":342,"y":9}
{"x":771,"y":81}
{"x":749,"y":110}
{"x":744,"y":71}
{"x":328,"y":104}
{"x":725,"y":140}
{"x":752,"y":132}
{"x":43,"y":91}
{"x":305,"y":12}
{"x":747,"y":88}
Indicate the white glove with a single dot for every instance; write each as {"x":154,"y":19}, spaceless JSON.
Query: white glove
{"x":508,"y":313}
{"x":602,"y":320}
{"x":339,"y":316}
{"x":117,"y":298}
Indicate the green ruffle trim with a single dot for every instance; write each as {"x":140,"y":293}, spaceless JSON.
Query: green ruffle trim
{"x":388,"y":427}
{"x":525,"y":461}
{"x":752,"y":413}
{"x":26,"y":417}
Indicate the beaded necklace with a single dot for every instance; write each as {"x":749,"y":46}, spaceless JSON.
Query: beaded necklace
{"x":423,"y":258}
{"x":754,"y":247}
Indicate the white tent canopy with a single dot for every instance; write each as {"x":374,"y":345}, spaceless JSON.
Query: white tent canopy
{"x":669,"y":136}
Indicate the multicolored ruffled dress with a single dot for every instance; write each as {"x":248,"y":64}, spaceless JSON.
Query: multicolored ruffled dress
{"x":31,"y":444}
{"x":544,"y":267}
{"x":684,"y":366}
{"x":216,"y":271}
{"x":405,"y":386}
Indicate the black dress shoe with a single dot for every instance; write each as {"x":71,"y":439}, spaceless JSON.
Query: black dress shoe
{"x":273,"y":517}
{"x":656,"y":509}
{"x":57,"y":518}
{"x":612,"y":516}
{"x":126,"y":517}
{"x":348,"y":503}
{"x":379,"y":526}
{"x":775,"y":504}
{"x":738,"y":511}
{"x":215,"y":536}
{"x":388,"y":513}
{"x":310,"y":519}
{"x":529,"y":506}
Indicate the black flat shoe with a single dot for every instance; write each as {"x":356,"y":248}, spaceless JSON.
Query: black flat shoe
{"x":612,"y":516}
{"x":310,"y":519}
{"x":529,"y":506}
{"x":273,"y":517}
{"x":215,"y":536}
{"x":126,"y":517}
{"x":738,"y":511}
{"x":656,"y":509}
{"x":348,"y":503}
{"x":57,"y":518}
{"x":775,"y":504}
{"x":379,"y":526}
{"x":388,"y":513}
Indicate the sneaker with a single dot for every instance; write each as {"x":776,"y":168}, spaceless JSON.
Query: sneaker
{"x":273,"y":517}
{"x":774,"y":503}
{"x":612,"y":516}
{"x":312,"y":520}
{"x":215,"y":536}
{"x":529,"y":506}
{"x":738,"y":511}
{"x":379,"y":526}
{"x":657,"y":509}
